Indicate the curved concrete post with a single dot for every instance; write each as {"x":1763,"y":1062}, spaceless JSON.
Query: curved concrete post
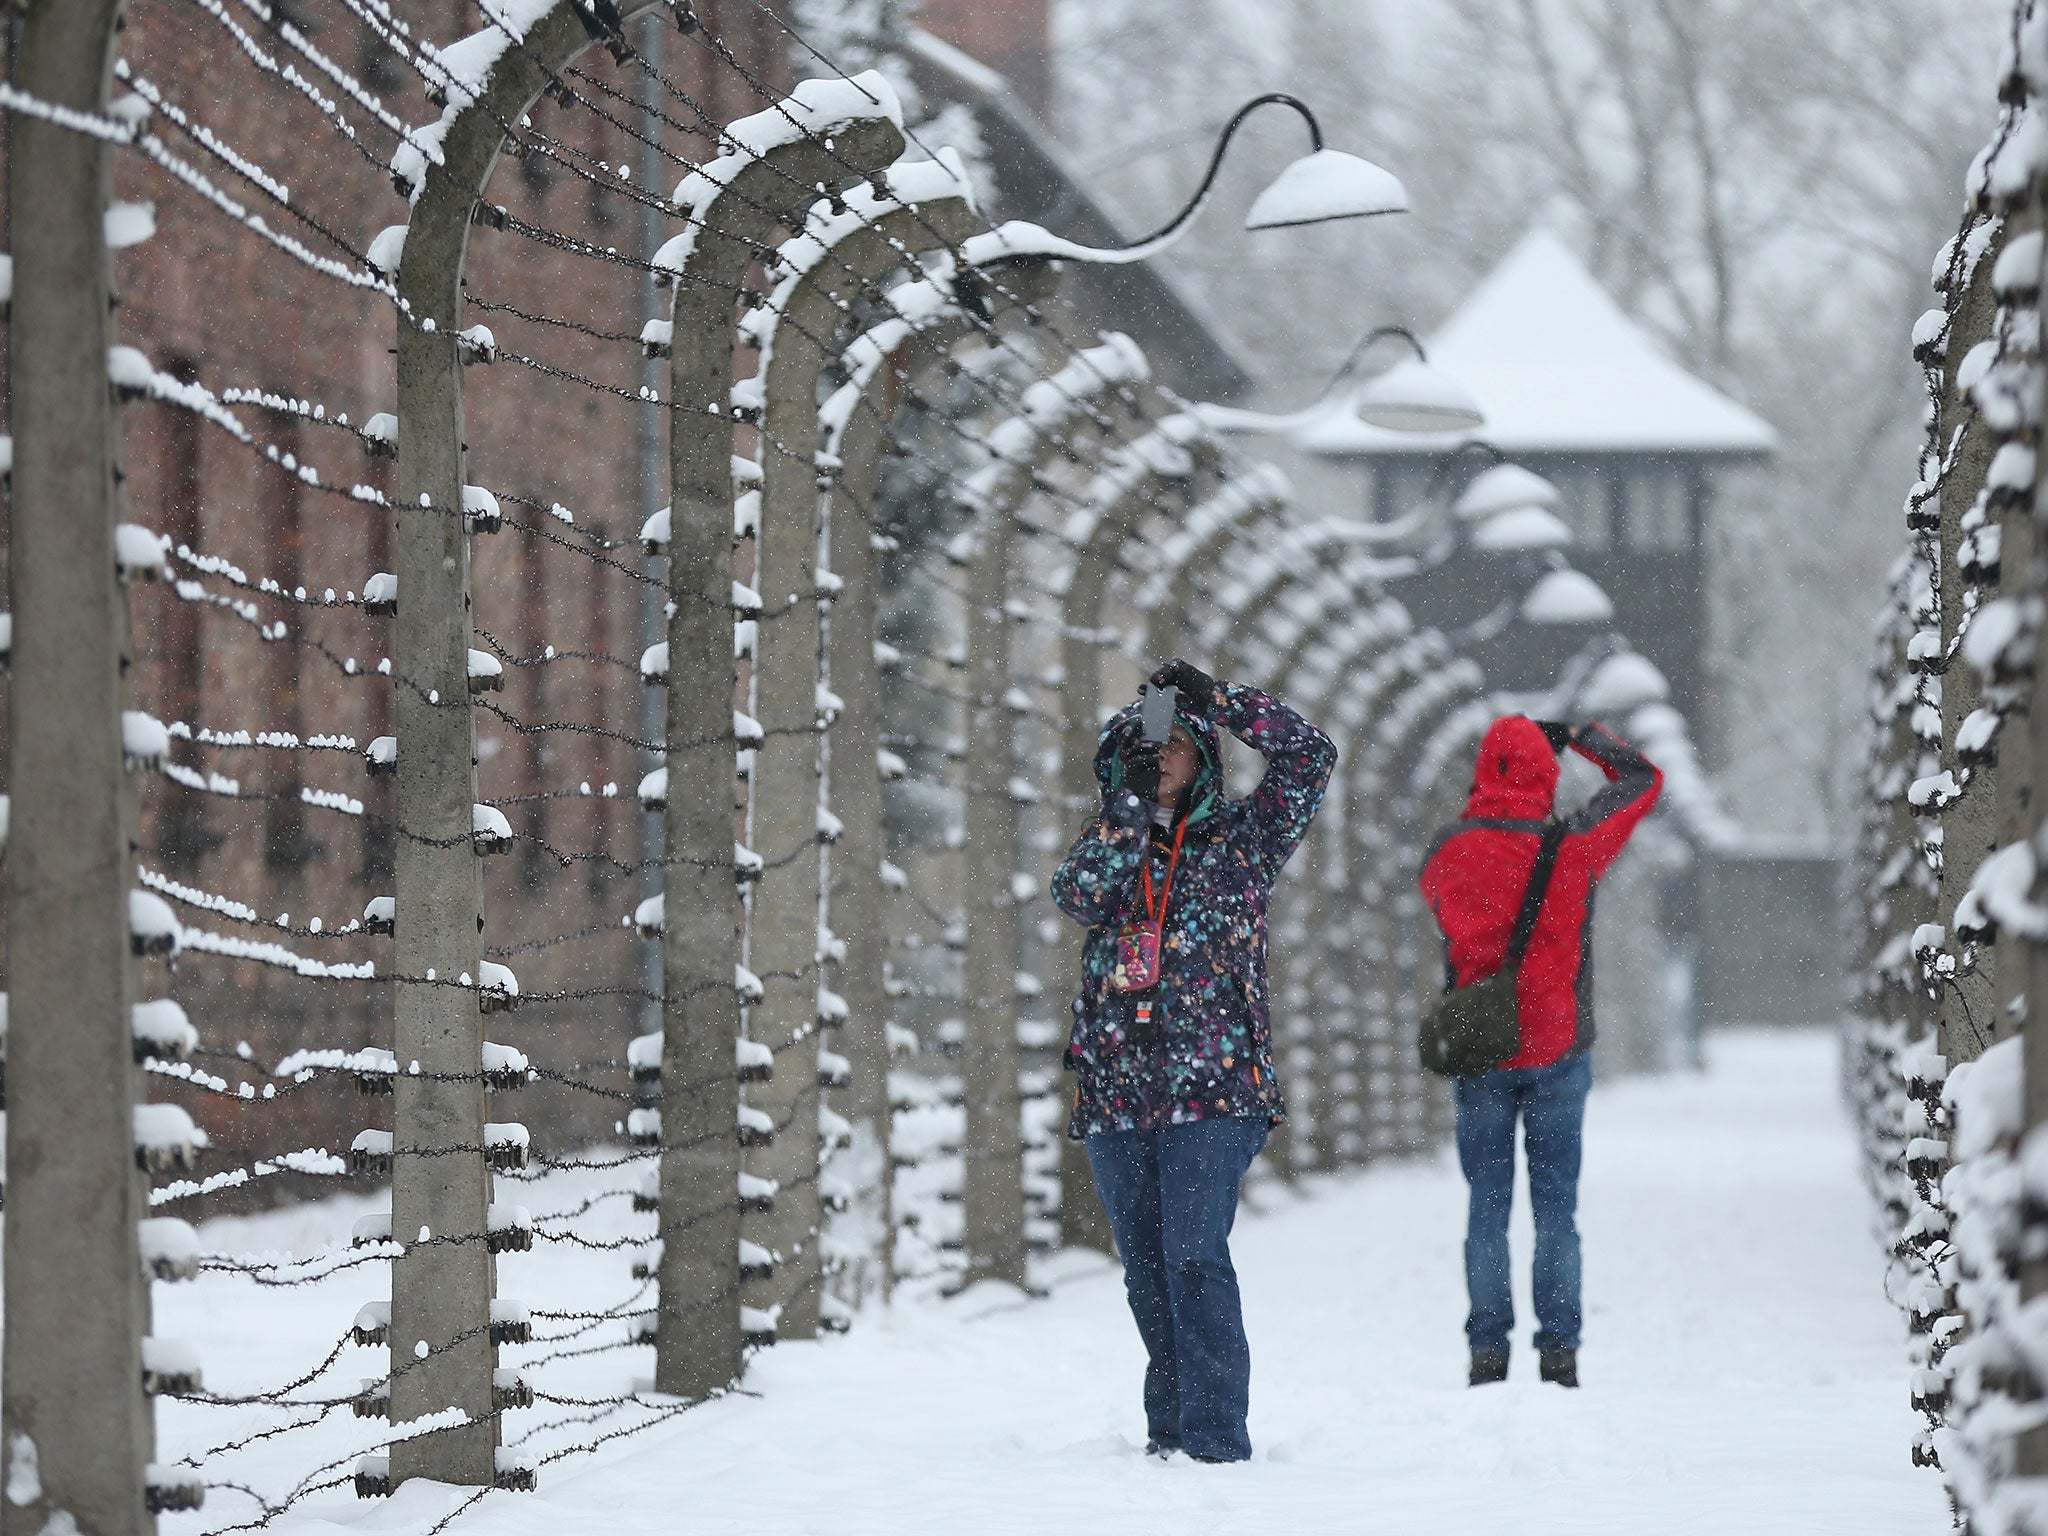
{"x":1248,"y":499}
{"x":1115,"y":507}
{"x":853,"y":428}
{"x":1020,"y":449}
{"x":1113,"y":510}
{"x":1317,"y":905}
{"x":77,"y":1305}
{"x":441,"y":1291}
{"x":992,"y":1183}
{"x":1427,"y":682}
{"x":795,"y":697}
{"x":780,"y":162}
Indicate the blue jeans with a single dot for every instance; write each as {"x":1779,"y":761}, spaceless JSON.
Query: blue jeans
{"x":1551,"y":1103}
{"x":1171,"y":1196}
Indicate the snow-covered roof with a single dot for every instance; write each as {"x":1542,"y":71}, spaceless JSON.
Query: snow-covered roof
{"x":1557,"y":367}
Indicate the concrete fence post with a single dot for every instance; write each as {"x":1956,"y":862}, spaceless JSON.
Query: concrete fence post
{"x":2031,"y":958}
{"x":1119,"y":499}
{"x":992,"y":1184}
{"x":768,"y":177}
{"x":1968,"y":818}
{"x":850,"y":447}
{"x":78,"y":1429}
{"x":838,"y":261}
{"x":443,"y":1145}
{"x":1285,"y":636}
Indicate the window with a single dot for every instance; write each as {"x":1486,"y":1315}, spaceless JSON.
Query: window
{"x":1583,"y":497}
{"x":1658,"y":507}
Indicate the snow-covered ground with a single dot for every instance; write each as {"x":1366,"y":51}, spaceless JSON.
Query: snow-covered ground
{"x":1743,"y":1372}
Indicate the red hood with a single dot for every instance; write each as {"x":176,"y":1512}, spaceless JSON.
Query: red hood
{"x":1516,"y":775}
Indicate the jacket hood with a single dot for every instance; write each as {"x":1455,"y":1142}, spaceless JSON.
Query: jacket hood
{"x":1516,"y":775}
{"x":1203,"y":796}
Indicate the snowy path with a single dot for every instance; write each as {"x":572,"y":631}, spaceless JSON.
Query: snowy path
{"x":1744,"y":1374}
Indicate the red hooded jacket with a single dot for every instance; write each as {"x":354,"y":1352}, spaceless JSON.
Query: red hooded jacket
{"x":1480,"y":865}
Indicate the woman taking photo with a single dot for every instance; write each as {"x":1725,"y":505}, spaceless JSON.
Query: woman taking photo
{"x":1172,"y":1041}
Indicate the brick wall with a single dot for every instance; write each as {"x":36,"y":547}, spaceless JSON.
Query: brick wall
{"x":210,"y":301}
{"x":1013,"y":37}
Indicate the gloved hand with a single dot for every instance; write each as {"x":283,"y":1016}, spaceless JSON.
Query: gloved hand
{"x":1557,"y":733}
{"x":1140,"y":759}
{"x":1197,"y":689}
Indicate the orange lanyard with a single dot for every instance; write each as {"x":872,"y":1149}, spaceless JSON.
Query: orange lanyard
{"x":1157,"y":916}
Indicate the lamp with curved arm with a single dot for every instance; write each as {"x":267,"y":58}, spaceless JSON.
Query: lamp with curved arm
{"x":1321,"y":186}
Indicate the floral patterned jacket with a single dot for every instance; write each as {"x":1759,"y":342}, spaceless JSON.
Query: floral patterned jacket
{"x":1213,"y":1053}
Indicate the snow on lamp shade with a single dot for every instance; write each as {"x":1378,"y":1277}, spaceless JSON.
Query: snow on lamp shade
{"x":1567,"y":597}
{"x":1415,"y":396}
{"x":1525,"y":528}
{"x":1505,"y":488}
{"x":1326,"y":185}
{"x":1623,"y":683}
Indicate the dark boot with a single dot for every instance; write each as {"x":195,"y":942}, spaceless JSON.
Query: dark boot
{"x":1561,"y":1367}
{"x":1488,"y":1366}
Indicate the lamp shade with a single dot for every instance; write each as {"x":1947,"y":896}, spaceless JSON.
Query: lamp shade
{"x":1415,"y":396}
{"x":1505,"y":488}
{"x":1522,"y":528}
{"x":1623,"y":683}
{"x":1566,"y":597}
{"x":1328,"y":184}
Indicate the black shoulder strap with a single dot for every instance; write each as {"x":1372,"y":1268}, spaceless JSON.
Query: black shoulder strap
{"x":1532,"y":898}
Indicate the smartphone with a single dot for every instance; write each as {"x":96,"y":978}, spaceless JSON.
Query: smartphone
{"x":1155,"y":714}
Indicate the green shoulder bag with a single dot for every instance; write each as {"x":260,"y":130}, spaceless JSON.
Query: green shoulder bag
{"x":1476,"y":1028}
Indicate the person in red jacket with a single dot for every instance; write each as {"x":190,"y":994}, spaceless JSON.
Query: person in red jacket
{"x":1474,"y":879}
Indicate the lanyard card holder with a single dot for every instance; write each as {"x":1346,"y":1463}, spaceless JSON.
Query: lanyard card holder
{"x":1137,"y":957}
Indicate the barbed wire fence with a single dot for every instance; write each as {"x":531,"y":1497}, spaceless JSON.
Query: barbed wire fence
{"x":1942,"y":1053}
{"x":776,"y":780}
